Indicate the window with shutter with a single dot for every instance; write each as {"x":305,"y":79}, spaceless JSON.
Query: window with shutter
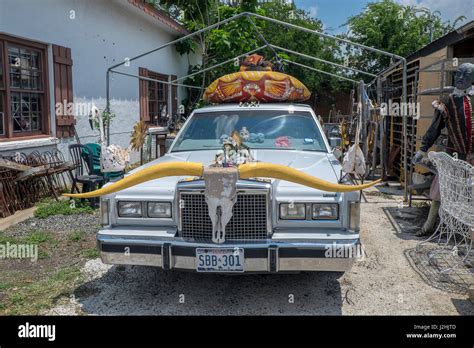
{"x":24,"y":107}
{"x":143,"y":95}
{"x":154,"y":106}
{"x":63,"y":92}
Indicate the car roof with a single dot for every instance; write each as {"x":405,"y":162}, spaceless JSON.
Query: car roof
{"x":249,"y":106}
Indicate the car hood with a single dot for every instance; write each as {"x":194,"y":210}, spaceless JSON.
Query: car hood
{"x":319,"y":164}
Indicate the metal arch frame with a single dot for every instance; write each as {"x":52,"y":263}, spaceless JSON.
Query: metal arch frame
{"x":155,"y":80}
{"x":290,"y":25}
{"x":399,"y":59}
{"x":273,"y":47}
{"x":282,"y":59}
{"x":320,"y":71}
{"x":323,"y":61}
{"x":174,"y":82}
{"x":220,"y":64}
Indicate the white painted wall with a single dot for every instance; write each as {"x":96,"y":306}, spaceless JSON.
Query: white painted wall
{"x":100,"y":33}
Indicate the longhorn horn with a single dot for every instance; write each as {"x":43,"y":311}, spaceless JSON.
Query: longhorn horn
{"x":150,"y":173}
{"x":276,"y":171}
{"x":246,"y":171}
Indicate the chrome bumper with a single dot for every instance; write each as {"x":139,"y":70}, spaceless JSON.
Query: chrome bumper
{"x":262,"y":257}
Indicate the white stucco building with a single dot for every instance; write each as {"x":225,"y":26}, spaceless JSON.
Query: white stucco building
{"x":54,"y":52}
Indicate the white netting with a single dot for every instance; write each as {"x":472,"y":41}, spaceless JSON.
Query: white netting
{"x":456,"y":184}
{"x":456,"y":179}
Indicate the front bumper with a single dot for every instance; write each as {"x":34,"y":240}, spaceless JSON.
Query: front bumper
{"x":260,"y":257}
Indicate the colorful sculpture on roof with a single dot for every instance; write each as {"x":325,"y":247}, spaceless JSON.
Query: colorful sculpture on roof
{"x":257,"y":80}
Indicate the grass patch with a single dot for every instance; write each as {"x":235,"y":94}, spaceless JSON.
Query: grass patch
{"x":4,"y":286}
{"x":77,"y":236}
{"x":43,"y":254}
{"x":90,"y":253}
{"x":63,"y":207}
{"x":44,"y":240}
{"x":8,"y":239}
{"x":28,"y":288}
{"x":35,"y":237}
{"x":32,"y":298}
{"x":40,"y":237}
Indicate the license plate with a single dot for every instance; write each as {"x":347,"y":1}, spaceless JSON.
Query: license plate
{"x":220,"y":260}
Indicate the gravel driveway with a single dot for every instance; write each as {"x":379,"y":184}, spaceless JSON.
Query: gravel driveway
{"x":385,"y":282}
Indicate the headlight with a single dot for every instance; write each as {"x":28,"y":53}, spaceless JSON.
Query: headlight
{"x":354,"y":218}
{"x":325,"y":211}
{"x":104,"y":212}
{"x":130,"y":209}
{"x":159,"y":209}
{"x":292,"y":211}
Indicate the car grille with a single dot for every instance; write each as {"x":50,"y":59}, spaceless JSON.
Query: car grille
{"x":248,"y":222}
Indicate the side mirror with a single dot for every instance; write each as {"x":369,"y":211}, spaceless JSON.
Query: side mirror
{"x":334,"y":142}
{"x":337,"y":152}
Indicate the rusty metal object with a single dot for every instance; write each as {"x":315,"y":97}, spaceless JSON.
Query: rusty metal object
{"x":32,"y":172}
{"x":7,"y":164}
{"x":25,"y":179}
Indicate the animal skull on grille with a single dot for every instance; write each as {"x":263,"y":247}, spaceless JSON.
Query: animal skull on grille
{"x":220,"y":196}
{"x":220,"y":184}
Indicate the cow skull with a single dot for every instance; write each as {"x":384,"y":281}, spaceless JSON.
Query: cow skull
{"x":220,"y":196}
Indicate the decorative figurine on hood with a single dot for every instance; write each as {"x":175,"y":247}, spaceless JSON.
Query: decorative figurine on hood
{"x":453,"y":112}
{"x":234,"y":152}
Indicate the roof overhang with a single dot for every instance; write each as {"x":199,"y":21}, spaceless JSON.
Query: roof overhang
{"x":154,"y":16}
{"x":455,"y":36}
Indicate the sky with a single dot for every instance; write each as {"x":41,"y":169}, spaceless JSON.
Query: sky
{"x":334,"y":13}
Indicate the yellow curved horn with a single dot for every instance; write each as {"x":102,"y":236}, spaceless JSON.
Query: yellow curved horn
{"x":276,"y":171}
{"x":153,"y":172}
{"x":246,"y":171}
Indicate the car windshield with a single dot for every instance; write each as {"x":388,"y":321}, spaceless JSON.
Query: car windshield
{"x":259,"y":129}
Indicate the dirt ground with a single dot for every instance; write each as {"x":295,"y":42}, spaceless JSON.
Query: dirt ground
{"x":64,"y":244}
{"x":391,"y":279}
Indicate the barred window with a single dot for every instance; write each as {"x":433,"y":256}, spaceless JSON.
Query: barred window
{"x":26,"y":110}
{"x":157,"y":99}
{"x":23,"y":88}
{"x":155,"y":106}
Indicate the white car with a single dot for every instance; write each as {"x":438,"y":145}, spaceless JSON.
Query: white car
{"x":276,"y":225}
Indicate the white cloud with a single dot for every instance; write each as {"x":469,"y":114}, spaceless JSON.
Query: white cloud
{"x":450,"y":9}
{"x":313,"y":11}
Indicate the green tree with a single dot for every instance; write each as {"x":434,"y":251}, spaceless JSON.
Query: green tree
{"x":216,"y":45}
{"x":302,"y":42}
{"x":394,"y":28}
{"x":237,"y":37}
